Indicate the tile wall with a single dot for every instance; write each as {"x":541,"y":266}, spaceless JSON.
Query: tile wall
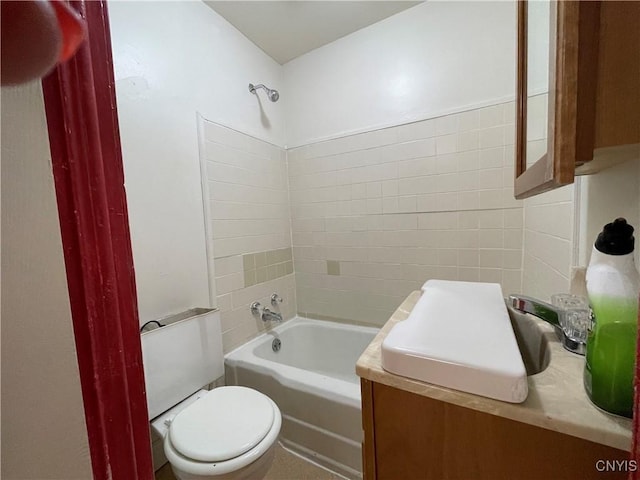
{"x":249,"y":222}
{"x":264,"y":266}
{"x":368,"y":218}
{"x":555,"y":241}
{"x":548,"y":219}
{"x":376,"y":214}
{"x":548,"y":243}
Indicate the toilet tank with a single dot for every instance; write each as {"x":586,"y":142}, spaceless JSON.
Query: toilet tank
{"x":181,"y":357}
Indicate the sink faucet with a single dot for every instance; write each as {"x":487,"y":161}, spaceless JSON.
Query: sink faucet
{"x":553,"y":315}
{"x":268,"y":315}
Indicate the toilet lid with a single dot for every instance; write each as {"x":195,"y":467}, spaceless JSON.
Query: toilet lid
{"x":225,"y":423}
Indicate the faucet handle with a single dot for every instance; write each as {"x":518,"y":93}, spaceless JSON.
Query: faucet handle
{"x":576,"y":317}
{"x":255,"y":308}
{"x":275,"y":299}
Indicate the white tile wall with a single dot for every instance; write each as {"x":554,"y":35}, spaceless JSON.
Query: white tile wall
{"x":431,"y":199}
{"x":395,"y":207}
{"x":249,"y":212}
{"x":548,"y":240}
{"x":548,"y":219}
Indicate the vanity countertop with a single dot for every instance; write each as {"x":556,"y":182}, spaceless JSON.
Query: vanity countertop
{"x":556,"y":401}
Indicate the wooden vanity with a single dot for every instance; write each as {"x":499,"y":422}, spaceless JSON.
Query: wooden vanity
{"x":414,"y":430}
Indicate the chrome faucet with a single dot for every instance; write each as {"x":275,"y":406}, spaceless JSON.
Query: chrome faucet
{"x":270,"y":316}
{"x":265,"y":314}
{"x":572,"y":339}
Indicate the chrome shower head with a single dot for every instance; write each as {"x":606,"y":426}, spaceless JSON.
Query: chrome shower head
{"x":273,"y":95}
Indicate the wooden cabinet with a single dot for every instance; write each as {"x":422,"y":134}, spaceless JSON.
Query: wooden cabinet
{"x":590,"y":119}
{"x":408,"y":436}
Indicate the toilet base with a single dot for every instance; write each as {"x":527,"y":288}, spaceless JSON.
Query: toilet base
{"x":253,"y":471}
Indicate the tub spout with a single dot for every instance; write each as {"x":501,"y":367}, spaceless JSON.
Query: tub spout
{"x":269,"y":316}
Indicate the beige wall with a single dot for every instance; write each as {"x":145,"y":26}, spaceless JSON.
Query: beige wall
{"x":392,"y":208}
{"x":43,"y":425}
{"x":197,"y":62}
{"x":248,"y":225}
{"x":548,"y":242}
{"x":430,"y":60}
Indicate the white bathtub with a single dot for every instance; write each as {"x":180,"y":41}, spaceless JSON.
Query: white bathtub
{"x":312,"y":379}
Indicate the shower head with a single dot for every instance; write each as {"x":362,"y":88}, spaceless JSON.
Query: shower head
{"x":273,"y":95}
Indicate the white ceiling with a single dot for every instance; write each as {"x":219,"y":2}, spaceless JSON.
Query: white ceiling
{"x":286,"y":30}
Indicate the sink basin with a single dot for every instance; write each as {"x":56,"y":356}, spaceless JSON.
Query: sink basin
{"x":532,"y":341}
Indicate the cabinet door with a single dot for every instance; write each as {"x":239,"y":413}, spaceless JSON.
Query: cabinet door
{"x":416,"y":437}
{"x":556,"y":90}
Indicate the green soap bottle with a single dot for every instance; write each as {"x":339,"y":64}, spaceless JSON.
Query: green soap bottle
{"x":613,"y":284}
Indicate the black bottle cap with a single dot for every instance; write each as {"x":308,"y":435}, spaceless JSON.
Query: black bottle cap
{"x":616,"y":238}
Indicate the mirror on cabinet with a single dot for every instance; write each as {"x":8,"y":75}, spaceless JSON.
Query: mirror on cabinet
{"x":537,"y":95}
{"x":557,"y":61}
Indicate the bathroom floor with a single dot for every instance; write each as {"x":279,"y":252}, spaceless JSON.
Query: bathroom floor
{"x":286,"y":466}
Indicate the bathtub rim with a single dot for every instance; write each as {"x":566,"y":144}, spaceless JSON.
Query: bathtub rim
{"x":300,"y":320}
{"x":341,"y":391}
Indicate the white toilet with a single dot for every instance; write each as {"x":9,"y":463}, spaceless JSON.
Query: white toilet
{"x":224,"y":433}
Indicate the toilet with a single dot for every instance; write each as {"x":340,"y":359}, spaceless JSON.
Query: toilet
{"x":223,"y":433}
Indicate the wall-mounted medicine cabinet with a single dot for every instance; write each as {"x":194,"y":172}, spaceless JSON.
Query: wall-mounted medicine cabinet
{"x":578,"y":91}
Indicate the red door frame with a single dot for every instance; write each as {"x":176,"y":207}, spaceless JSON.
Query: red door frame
{"x":84,"y":137}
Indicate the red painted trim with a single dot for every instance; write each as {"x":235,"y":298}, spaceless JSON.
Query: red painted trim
{"x":87,"y":165}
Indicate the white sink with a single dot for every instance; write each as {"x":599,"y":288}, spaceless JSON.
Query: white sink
{"x":459,"y":335}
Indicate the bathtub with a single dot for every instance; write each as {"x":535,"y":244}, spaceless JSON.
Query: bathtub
{"x":312,"y":379}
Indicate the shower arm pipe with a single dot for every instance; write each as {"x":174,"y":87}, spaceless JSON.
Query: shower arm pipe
{"x":253,"y":88}
{"x":272,"y":94}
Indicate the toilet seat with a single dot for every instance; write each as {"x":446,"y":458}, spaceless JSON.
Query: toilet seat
{"x":224,"y":431}
{"x":223,"y":424}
